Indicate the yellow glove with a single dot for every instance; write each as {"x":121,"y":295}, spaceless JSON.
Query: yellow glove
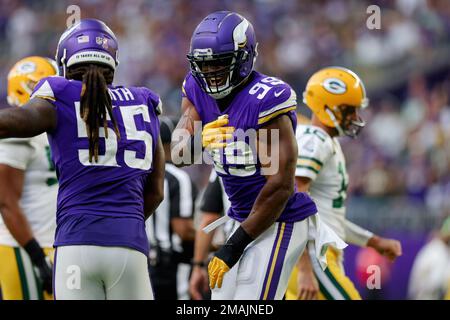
{"x":227,"y":256}
{"x":216,"y":133}
{"x":216,"y":270}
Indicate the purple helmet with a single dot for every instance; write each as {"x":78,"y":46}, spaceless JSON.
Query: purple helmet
{"x":89,"y":40}
{"x":223,"y":52}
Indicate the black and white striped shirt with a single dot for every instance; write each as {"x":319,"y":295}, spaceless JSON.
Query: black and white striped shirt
{"x":179,"y":202}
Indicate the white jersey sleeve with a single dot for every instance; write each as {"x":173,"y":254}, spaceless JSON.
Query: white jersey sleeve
{"x":40,"y":188}
{"x":16,"y":153}
{"x":355,"y":234}
{"x":314,"y":149}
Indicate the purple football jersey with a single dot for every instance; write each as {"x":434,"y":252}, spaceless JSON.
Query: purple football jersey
{"x":259,"y":101}
{"x":101,"y":203}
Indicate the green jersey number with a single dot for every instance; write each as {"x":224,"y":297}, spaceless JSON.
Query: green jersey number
{"x":339,"y":201}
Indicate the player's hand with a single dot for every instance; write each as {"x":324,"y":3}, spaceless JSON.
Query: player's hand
{"x":41,"y":264}
{"x":308,"y":286}
{"x":198,"y":283}
{"x":216,"y":133}
{"x":227,"y":256}
{"x":216,"y":270}
{"x":44,"y":272}
{"x":390,"y":248}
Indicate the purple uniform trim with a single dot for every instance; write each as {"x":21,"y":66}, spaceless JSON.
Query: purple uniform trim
{"x":278,"y":254}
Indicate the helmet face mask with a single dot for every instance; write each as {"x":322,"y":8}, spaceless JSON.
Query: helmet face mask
{"x":217,"y":73}
{"x":21,"y":93}
{"x":223,"y":52}
{"x":348,"y":121}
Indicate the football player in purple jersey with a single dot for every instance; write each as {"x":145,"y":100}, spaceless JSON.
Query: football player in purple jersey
{"x":225,"y":93}
{"x":109,"y":161}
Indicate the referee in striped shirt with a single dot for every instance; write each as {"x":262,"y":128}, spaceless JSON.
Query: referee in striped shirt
{"x":170,"y":230}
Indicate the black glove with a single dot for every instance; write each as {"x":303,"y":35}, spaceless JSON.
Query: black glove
{"x":232,"y":250}
{"x":41,"y":264}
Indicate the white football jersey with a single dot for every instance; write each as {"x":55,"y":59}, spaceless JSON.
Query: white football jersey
{"x":38,"y":201}
{"x":320,"y":158}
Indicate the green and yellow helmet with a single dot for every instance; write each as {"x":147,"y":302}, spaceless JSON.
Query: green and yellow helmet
{"x":24,"y":76}
{"x":330,"y":89}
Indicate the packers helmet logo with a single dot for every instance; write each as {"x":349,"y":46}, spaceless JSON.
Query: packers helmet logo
{"x":335,"y":86}
{"x":26,"y":67}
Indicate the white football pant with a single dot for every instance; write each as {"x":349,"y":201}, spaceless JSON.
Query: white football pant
{"x":263,"y":271}
{"x":100,"y":273}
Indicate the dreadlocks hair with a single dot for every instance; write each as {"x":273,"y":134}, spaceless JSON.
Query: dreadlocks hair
{"x":95,"y":102}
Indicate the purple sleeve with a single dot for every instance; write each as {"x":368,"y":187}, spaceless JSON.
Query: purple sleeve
{"x":50,"y":88}
{"x":188,"y":88}
{"x":191,"y":91}
{"x":153,"y":100}
{"x":280,"y":99}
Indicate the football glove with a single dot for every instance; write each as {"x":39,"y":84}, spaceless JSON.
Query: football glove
{"x":216,"y":270}
{"x":227,"y":256}
{"x":216,"y":133}
{"x":41,"y":264}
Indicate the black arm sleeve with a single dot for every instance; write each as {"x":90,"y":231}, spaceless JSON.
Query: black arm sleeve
{"x":174,"y":195}
{"x":212,"y":200}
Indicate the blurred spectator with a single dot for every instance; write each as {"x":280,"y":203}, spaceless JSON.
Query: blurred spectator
{"x":387,"y":129}
{"x":431,"y":269}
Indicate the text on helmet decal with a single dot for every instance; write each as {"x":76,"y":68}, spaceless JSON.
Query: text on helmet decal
{"x":203,"y":53}
{"x":335,"y":86}
{"x":91,"y":56}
